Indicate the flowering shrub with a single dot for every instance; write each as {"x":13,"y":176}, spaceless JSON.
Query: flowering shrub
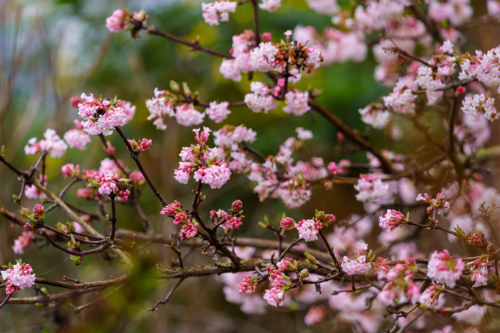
{"x":327,"y":266}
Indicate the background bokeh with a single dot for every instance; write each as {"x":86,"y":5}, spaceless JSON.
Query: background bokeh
{"x":52,"y":50}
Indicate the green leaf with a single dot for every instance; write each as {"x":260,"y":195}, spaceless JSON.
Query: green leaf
{"x":460,"y":232}
{"x":76,"y":260}
{"x":93,"y":183}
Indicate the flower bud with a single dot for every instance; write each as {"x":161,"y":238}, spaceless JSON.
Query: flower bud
{"x":237,"y":205}
{"x":304,"y":273}
{"x":287,"y":223}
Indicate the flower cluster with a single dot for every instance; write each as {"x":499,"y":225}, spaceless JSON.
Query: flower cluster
{"x":142,"y":145}
{"x":276,"y":295}
{"x":400,"y":286}
{"x":443,"y":269}
{"x":439,"y":204}
{"x":18,"y":277}
{"x":181,"y":217}
{"x":108,"y":184}
{"x":218,"y":11}
{"x":51,"y":143}
{"x":359,"y":264}
{"x":23,"y":241}
{"x":100,"y":116}
{"x":391,"y":220}
{"x":370,"y":188}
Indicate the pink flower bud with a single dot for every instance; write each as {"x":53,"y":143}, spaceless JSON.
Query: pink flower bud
{"x":287,"y":223}
{"x":39,"y":212}
{"x":266,"y":37}
{"x":459,"y":91}
{"x":75,"y":100}
{"x":237,"y":205}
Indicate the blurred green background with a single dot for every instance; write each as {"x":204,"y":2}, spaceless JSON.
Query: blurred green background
{"x":52,"y":50}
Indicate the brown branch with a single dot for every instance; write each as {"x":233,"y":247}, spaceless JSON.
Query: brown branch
{"x":195,"y":46}
{"x":135,"y":157}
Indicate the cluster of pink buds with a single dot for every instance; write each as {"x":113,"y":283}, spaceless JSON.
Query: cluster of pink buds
{"x":443,"y":269}
{"x":392,"y":219}
{"x":181,"y":218}
{"x":400,"y":286}
{"x":33,"y":192}
{"x":137,"y":178}
{"x":439,"y":203}
{"x":287,"y":223}
{"x":70,"y":170}
{"x":247,"y":285}
{"x":34,"y":218}
{"x":109,"y":184}
{"x":203,"y":162}
{"x":360,"y":264}
{"x":276,"y":295}
{"x":17,"y":277}
{"x":142,"y":145}
{"x":230,"y":220}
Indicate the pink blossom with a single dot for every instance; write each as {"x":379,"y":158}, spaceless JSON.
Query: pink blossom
{"x":128,"y":110}
{"x":218,"y":111}
{"x":107,"y":165}
{"x":18,"y":277}
{"x":479,"y":273}
{"x":391,"y":220}
{"x":472,"y":315}
{"x":308,"y":229}
{"x":400,"y":285}
{"x":370,"y":188}
{"x":375,"y":116}
{"x":187,"y":116}
{"x":381,"y":268}
{"x":447,"y":47}
{"x":433,"y":297}
{"x":247,"y":285}
{"x":443,"y":269}
{"x":480,"y":104}
{"x":303,"y":134}
{"x":315,"y":315}
{"x":275,"y":297}
{"x":33,"y":192}
{"x":159,"y":107}
{"x":228,"y":137}
{"x":70,"y":170}
{"x":183,"y":173}
{"x":23,"y":241}
{"x":217,"y":11}
{"x":77,"y":138}
{"x":109,"y":186}
{"x":263,"y":57}
{"x":326,"y":7}
{"x":85,"y":193}
{"x":100,"y":117}
{"x":296,"y":102}
{"x":51,"y":143}
{"x":439,"y":203}
{"x":215,"y":175}
{"x":136,"y":177}
{"x":270,"y":5}
{"x":117,"y":21}
{"x":260,"y":99}
{"x":455,"y":11}
{"x":355,"y":266}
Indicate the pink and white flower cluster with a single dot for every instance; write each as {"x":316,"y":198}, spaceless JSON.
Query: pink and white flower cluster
{"x":443,"y":269}
{"x":400,"y":286}
{"x":189,"y":227}
{"x":261,"y":98}
{"x":308,"y":229}
{"x":18,"y":277}
{"x":218,"y":111}
{"x":100,"y":116}
{"x":218,"y":11}
{"x":370,"y":188}
{"x":276,"y":295}
{"x":23,"y":241}
{"x":202,"y":162}
{"x":439,"y":204}
{"x":391,"y":220}
{"x":77,"y":137}
{"x":357,"y":265}
{"x":109,"y":185}
{"x":51,"y":143}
